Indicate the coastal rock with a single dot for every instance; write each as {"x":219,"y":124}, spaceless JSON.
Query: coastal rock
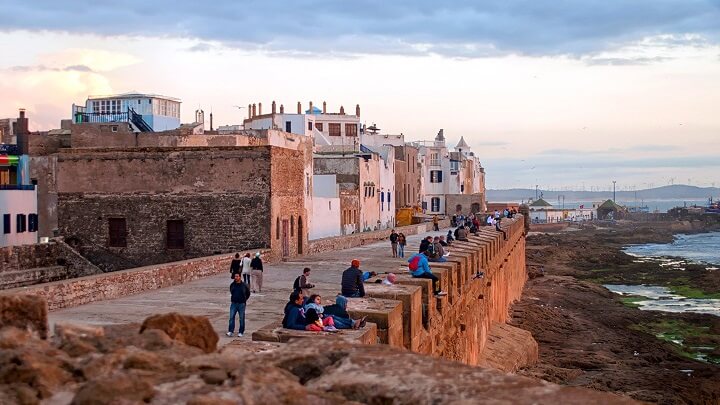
{"x":26,"y":312}
{"x":192,"y":330}
{"x":117,"y":388}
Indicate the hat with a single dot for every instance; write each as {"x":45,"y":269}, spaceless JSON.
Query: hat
{"x":257,"y":254}
{"x":355,"y":263}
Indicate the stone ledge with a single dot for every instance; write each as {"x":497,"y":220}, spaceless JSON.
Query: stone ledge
{"x":274,"y":332}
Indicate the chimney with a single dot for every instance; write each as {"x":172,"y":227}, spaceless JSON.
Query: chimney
{"x":342,"y":110}
{"x":22,"y":132}
{"x":299,"y":108}
{"x":272,"y":107}
{"x":254,"y":111}
{"x":324,"y":107}
{"x":259,"y":108}
{"x":282,"y":109}
{"x":249,"y":111}
{"x":357,"y":110}
{"x":211,"y":127}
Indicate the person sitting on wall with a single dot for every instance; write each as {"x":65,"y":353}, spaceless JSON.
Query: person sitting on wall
{"x":442,"y":240}
{"x":302,"y":282}
{"x":351,"y":284}
{"x":294,"y":313}
{"x":461,"y":234}
{"x":450,"y":238}
{"x":420,"y":268}
{"x":438,"y":252}
{"x":338,"y":311}
{"x":368,"y":275}
{"x":390,"y":279}
{"x":316,"y":323}
{"x":425,"y":243}
{"x":315,"y":304}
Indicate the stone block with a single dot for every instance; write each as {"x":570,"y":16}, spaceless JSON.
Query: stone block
{"x":26,"y":312}
{"x":411,"y":297}
{"x":192,"y":330}
{"x":387,"y":314}
{"x":274,"y":332}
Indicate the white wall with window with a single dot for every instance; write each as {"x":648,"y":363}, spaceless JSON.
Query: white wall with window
{"x":18,"y":217}
{"x":326,"y":214}
{"x":160,"y":112}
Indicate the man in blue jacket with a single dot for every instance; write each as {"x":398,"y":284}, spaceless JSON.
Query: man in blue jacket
{"x":239,"y":294}
{"x":294,"y":314}
{"x":420,"y":268}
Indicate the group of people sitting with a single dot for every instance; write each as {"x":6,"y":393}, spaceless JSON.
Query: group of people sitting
{"x":308,"y":313}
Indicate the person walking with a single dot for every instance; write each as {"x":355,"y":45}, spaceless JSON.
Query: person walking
{"x":245,"y":269}
{"x":235,"y":265}
{"x":302,"y":282}
{"x":394,"y":243}
{"x":402,"y":241}
{"x":239,"y":294}
{"x":420,"y":268}
{"x":352,"y":285}
{"x":436,"y":223}
{"x":256,"y":267}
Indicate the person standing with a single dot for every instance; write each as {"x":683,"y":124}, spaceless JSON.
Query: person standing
{"x":239,"y":294}
{"x":394,"y":243}
{"x":436,"y":223}
{"x":256,"y":267}
{"x":235,"y":265}
{"x":351,"y":284}
{"x":401,"y":244}
{"x":245,"y":267}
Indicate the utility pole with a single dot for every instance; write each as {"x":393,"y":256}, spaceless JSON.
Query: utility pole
{"x":614,"y":190}
{"x":536,"y":191}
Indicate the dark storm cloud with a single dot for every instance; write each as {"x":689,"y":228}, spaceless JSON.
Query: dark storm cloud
{"x":453,"y":28}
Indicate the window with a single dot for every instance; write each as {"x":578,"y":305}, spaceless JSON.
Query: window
{"x":334,"y":129}
{"x":117,"y":228}
{"x":20,"y":223}
{"x":310,"y":125}
{"x":32,"y":223}
{"x":435,"y":204}
{"x":6,"y":223}
{"x":288,"y":126}
{"x":435,"y":176}
{"x":175,"y":234}
{"x":454,"y":165}
{"x":350,"y":129}
{"x":319,"y":126}
{"x":435,"y":159}
{"x":382,"y":201}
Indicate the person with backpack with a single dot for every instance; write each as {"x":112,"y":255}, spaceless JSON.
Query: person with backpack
{"x":420,"y":268}
{"x":256,"y":271}
{"x":351,"y":284}
{"x":394,"y":243}
{"x":301,"y":282}
{"x":239,"y":294}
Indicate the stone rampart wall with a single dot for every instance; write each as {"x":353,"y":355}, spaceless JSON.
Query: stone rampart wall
{"x":41,"y":263}
{"x":363,"y":238}
{"x":456,"y":326}
{"x":84,"y":290}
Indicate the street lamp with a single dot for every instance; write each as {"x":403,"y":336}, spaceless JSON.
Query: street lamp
{"x":614,"y":190}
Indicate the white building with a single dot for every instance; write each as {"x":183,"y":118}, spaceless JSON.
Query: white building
{"x":325,"y":220}
{"x":158,"y":113}
{"x":435,"y":162}
{"x":18,"y":210}
{"x":386,"y":190}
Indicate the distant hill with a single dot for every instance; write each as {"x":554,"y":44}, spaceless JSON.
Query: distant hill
{"x":674,"y":192}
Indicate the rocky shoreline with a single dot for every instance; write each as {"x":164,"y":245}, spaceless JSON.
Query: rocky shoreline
{"x":593,"y":338}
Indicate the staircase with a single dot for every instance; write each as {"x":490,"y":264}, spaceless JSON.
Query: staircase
{"x":138,"y":121}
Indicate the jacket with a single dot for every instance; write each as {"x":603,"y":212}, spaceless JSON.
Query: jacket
{"x":235,"y":266}
{"x":338,"y":309}
{"x":352,"y":282}
{"x":256,"y":264}
{"x":423,"y":265}
{"x":393,"y":238}
{"x":461,"y":233}
{"x":239,"y":293}
{"x":246,"y":265}
{"x":424,"y":245}
{"x":294,"y":317}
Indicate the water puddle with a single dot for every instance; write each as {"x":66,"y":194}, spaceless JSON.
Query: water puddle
{"x":662,"y":299}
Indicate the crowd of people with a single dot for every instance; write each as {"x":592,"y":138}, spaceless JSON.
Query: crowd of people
{"x":305,"y":310}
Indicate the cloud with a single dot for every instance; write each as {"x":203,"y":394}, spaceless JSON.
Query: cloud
{"x":455,"y":28}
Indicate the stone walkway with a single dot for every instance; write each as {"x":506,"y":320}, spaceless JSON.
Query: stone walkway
{"x":210,"y":296}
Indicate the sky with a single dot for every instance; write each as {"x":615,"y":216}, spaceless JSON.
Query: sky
{"x":562,"y":94}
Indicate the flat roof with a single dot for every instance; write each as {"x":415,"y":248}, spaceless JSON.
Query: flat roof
{"x":134,"y":95}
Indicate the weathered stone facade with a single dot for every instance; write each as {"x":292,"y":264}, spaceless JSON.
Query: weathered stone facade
{"x":464,"y":203}
{"x":407,"y":177}
{"x":222,"y":195}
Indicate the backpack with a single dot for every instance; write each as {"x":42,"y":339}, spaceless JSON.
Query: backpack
{"x":296,"y":284}
{"x":414,"y":263}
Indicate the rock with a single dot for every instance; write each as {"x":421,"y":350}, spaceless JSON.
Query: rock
{"x":26,"y":312}
{"x":117,"y":388}
{"x":40,"y":370}
{"x":192,"y":330}
{"x":78,"y":340}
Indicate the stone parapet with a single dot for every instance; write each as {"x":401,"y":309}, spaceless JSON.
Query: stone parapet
{"x":274,"y":332}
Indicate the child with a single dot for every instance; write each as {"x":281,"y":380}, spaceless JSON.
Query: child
{"x":315,"y":307}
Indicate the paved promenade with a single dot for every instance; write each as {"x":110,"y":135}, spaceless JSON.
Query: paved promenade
{"x":210,"y":296}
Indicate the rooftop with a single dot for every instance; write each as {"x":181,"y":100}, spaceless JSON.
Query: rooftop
{"x":133,"y":95}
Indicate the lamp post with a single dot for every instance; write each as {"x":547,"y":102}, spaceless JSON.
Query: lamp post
{"x":614,"y":190}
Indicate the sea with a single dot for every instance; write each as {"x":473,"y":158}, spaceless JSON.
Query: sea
{"x":703,"y":248}
{"x":652,"y":205}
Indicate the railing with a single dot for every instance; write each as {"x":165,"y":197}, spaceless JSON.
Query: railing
{"x":138,"y":121}
{"x":100,"y":117}
{"x":8,"y":149}
{"x":28,"y":187}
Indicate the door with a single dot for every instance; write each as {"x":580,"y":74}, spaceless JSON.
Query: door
{"x":300,"y":235}
{"x":285,"y":237}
